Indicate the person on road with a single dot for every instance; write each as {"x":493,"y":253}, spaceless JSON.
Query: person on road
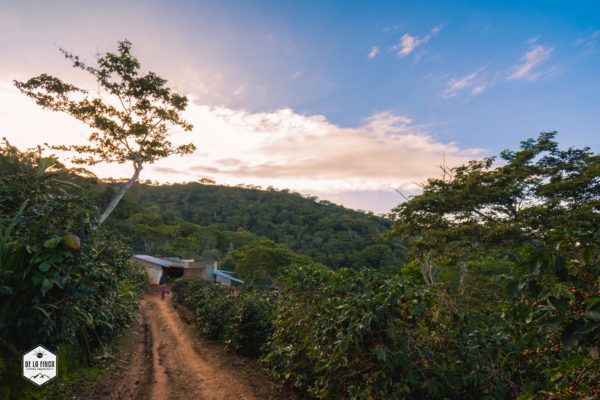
{"x":163,"y":292}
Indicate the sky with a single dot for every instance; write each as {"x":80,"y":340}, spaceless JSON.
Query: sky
{"x":350,"y":101}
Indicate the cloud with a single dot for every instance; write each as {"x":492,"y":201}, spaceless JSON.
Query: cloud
{"x":373,"y":53}
{"x":588,"y":41}
{"x":240,"y":90}
{"x":473,"y":83}
{"x":169,"y":170}
{"x":309,"y":153}
{"x":296,"y":75}
{"x":587,"y":45}
{"x":281,"y":148}
{"x":408,"y":43}
{"x":528,"y":69}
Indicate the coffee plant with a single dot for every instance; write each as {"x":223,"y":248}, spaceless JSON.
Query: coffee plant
{"x":63,"y":283}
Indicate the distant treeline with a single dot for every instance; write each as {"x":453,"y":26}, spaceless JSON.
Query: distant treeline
{"x":208,"y":221}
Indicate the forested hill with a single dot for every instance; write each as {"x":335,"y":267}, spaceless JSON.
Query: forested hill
{"x":183,"y":216}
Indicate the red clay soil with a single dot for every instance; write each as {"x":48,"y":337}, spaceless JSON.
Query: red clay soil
{"x":167,"y":360}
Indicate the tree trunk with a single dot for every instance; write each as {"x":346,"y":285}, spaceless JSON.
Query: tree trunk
{"x":464,"y":268}
{"x":113,"y":203}
{"x":426,"y":267}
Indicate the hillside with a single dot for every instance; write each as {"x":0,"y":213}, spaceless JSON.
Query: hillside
{"x":199,"y":220}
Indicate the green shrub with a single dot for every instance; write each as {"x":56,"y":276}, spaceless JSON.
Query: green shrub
{"x":243,"y":321}
{"x":63,"y":283}
{"x":251,"y":323}
{"x":215,"y":312}
{"x":347,"y":334}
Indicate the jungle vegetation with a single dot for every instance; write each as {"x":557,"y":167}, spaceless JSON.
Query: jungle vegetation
{"x":63,"y":282}
{"x":499,"y":299}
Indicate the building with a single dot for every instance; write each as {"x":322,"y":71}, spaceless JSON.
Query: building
{"x":225,"y":278}
{"x":161,"y":268}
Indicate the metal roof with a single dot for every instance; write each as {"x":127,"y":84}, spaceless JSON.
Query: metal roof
{"x":159,"y":261}
{"x":224,"y":275}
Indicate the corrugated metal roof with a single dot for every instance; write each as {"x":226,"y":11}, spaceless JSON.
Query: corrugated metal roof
{"x":159,"y":261}
{"x":224,"y":275}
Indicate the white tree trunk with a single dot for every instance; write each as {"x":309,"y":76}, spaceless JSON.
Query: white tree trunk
{"x":427,"y":269}
{"x":113,"y":203}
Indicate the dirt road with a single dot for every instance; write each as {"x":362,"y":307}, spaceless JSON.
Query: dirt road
{"x":167,"y":360}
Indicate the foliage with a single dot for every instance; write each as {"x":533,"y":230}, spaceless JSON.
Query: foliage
{"x":62,"y":283}
{"x":334,"y":333}
{"x":242,"y":320}
{"x":251,"y":321}
{"x":539,"y":196}
{"x":133,"y":127}
{"x":500,"y":300}
{"x":158,"y":218}
{"x":540,"y":208}
{"x":260,"y":262}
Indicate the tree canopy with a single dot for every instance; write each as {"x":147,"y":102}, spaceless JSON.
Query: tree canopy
{"x":131,"y":113}
{"x":539,"y":196}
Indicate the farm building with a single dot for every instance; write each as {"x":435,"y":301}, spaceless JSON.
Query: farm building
{"x":225,"y":278}
{"x":159,"y":268}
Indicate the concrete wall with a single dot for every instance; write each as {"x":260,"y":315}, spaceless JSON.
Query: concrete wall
{"x":207,"y":268}
{"x":194,"y":273}
{"x":154,"y":273}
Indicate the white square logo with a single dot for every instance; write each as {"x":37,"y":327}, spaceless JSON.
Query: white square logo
{"x":39,"y":365}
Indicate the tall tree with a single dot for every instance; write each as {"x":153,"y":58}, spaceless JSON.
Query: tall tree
{"x":131,"y":113}
{"x":539,"y":196}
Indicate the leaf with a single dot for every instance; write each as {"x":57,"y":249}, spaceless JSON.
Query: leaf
{"x":593,"y":315}
{"x":561,"y":269}
{"x":534,"y":267}
{"x":419,"y":309}
{"x":571,"y":332}
{"x":43,"y":312}
{"x":559,"y":305}
{"x":592,"y":302}
{"x":567,"y":337}
{"x":529,"y":317}
{"x":380,"y":353}
{"x":556,"y":377}
{"x":44,"y":267}
{"x":513,"y":289}
{"x":47,"y":283}
{"x":6,"y":291}
{"x":52,"y":243}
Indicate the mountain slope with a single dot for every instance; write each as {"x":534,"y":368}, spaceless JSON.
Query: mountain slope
{"x":331,"y":234}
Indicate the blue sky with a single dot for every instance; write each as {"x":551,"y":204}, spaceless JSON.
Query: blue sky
{"x":328,"y":43}
{"x":320,"y":96}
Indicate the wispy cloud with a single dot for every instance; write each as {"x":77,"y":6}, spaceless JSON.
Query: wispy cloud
{"x":373,"y":53}
{"x":528,"y":68}
{"x":408,"y":43}
{"x":588,"y":41}
{"x":473,"y":84}
{"x":588,"y":44}
{"x":296,"y":75}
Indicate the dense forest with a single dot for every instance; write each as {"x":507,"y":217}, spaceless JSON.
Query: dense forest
{"x":208,"y":221}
